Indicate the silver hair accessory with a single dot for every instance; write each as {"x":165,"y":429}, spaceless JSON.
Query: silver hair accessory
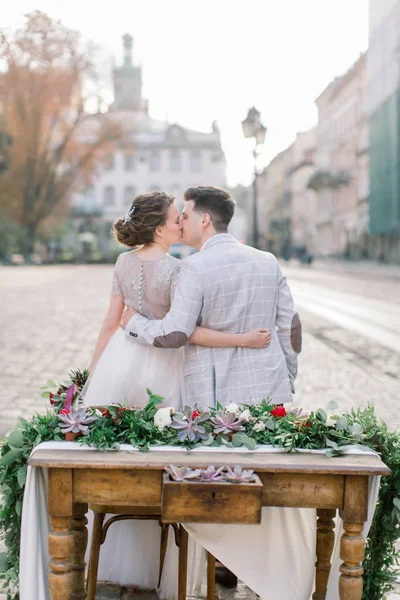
{"x":128,"y":216}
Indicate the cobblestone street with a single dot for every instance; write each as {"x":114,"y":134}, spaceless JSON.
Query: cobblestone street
{"x":50,"y":317}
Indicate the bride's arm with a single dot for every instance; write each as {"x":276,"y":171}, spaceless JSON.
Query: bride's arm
{"x":256,"y":338}
{"x":109,"y":326}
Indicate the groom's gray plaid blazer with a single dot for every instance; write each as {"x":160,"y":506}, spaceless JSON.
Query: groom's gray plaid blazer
{"x":234,"y":288}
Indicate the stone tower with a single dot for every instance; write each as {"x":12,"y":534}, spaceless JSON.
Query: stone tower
{"x":127,"y":81}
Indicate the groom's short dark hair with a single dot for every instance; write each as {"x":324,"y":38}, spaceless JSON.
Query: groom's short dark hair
{"x":217,"y":202}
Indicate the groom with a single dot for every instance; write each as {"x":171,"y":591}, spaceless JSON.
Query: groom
{"x":230,"y":287}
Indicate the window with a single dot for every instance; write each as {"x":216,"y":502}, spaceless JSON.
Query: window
{"x":129,"y":193}
{"x":109,"y":196}
{"x":110,"y":162}
{"x":89,"y":201}
{"x":129,"y":162}
{"x":175,"y":160}
{"x":155,"y":161}
{"x":195,"y":161}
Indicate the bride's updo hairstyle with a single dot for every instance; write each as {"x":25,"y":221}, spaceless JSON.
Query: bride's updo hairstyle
{"x":147,"y":212}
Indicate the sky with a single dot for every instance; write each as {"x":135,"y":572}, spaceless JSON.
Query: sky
{"x":215,"y":59}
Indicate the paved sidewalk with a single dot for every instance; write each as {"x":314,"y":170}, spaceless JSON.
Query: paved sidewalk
{"x":50,"y":317}
{"x":363,"y":267}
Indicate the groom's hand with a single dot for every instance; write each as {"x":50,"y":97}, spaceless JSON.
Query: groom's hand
{"x":127,"y":316}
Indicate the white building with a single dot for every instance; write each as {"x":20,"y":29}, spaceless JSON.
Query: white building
{"x":162,"y":155}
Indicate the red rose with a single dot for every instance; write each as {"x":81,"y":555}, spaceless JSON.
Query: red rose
{"x":195,"y":414}
{"x":105,"y":413}
{"x":279,"y":411}
{"x":51,"y":399}
{"x":303,"y":423}
{"x":64,"y":411}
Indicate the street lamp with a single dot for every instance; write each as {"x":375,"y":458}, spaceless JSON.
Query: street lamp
{"x":253,"y":128}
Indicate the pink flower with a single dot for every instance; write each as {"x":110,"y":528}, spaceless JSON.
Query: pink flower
{"x":64,"y":411}
{"x":69,"y":398}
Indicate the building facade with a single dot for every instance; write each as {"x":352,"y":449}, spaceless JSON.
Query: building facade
{"x":341,"y":164}
{"x":274,"y":218}
{"x":303,"y":199}
{"x":384,"y":128}
{"x":159,"y":155}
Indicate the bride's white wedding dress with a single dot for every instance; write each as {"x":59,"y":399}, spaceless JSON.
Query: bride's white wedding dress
{"x":130,"y":554}
{"x":126,"y":367}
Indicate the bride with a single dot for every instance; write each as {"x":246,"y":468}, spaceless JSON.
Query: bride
{"x":121,"y":370}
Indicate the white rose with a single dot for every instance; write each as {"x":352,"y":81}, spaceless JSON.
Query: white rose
{"x":260,"y":426}
{"x":162,"y":418}
{"x":246,"y":414}
{"x":232,"y":408}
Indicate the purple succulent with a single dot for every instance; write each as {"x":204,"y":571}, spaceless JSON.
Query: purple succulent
{"x":181,"y":473}
{"x":77,"y":420}
{"x":190,"y":428}
{"x":226,"y":423}
{"x":212,"y":474}
{"x":239,"y":475}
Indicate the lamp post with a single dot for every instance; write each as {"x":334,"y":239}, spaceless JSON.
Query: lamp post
{"x":253,"y":128}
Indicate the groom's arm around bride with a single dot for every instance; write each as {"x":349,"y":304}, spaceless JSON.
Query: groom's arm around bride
{"x":228,"y":287}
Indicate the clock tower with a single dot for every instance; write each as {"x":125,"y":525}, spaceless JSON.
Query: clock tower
{"x":127,"y":81}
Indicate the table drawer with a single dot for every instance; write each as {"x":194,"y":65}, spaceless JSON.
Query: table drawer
{"x":210,"y":502}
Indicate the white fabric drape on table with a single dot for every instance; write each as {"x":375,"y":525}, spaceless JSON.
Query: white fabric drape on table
{"x":275,"y":559}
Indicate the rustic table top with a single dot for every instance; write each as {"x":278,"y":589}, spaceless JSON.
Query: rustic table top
{"x":350,"y":464}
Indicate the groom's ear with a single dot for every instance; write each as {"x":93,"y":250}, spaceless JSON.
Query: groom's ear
{"x":205,"y":220}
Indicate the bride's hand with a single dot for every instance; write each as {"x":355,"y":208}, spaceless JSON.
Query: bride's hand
{"x":257,"y":338}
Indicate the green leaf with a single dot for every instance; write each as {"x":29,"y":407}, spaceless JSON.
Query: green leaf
{"x":329,"y":453}
{"x":16,"y":439}
{"x":11,"y":457}
{"x":270,"y":424}
{"x":356,"y":429}
{"x":396,"y":502}
{"x":3,"y":562}
{"x":331,"y":444}
{"x":321,"y":415}
{"x":18,"y":507}
{"x":51,"y":383}
{"x":21,"y":476}
{"x":45,"y":395}
{"x":208,"y":441}
{"x":341,"y":424}
{"x":241,"y":439}
{"x":333,"y":405}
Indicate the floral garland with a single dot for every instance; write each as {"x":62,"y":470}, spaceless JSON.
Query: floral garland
{"x":232,"y":426}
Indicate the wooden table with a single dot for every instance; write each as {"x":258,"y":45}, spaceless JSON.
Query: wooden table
{"x":80,"y":477}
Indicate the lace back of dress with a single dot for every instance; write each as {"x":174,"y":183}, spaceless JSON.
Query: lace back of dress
{"x":147,"y":286}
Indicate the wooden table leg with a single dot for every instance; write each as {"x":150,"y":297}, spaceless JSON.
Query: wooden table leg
{"x":325,"y":543}
{"x":183,"y":556}
{"x":210,"y":576}
{"x":61,"y":538}
{"x":79,"y":522}
{"x":352,"y":543}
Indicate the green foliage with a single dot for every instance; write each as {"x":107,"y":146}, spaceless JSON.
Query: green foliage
{"x":15,"y":452}
{"x":289,"y":431}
